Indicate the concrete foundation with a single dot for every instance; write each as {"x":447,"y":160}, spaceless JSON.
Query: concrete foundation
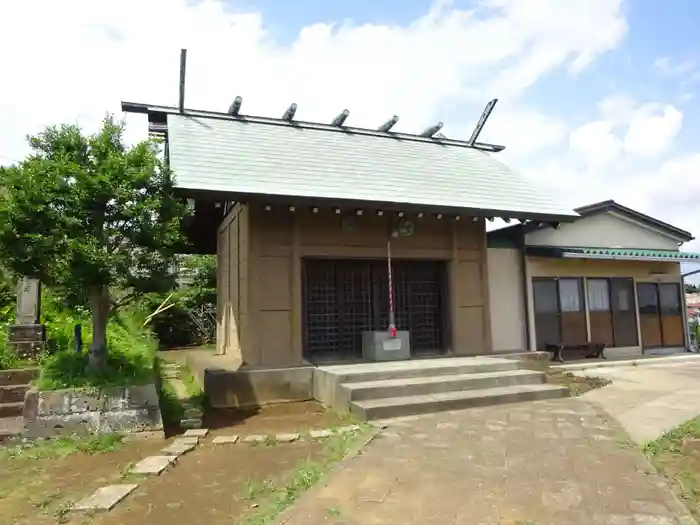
{"x":503,"y":378}
{"x":244,"y":388}
{"x":91,"y":411}
{"x":229,"y":384}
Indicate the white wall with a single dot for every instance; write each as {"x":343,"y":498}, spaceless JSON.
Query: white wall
{"x":606,"y":230}
{"x":506,"y":302}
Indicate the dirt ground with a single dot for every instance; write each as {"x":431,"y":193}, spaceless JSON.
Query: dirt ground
{"x":284,"y":417}
{"x":577,"y":385}
{"x":39,"y":491}
{"x":215,"y":485}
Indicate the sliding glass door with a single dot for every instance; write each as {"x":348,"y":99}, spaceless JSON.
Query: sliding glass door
{"x":624,"y":312}
{"x":560,"y":312}
{"x":611,"y":311}
{"x":661,"y":315}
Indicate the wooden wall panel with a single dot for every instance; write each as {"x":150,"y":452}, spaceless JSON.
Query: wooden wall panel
{"x":279,"y":239}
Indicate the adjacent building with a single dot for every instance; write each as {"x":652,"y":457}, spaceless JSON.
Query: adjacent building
{"x":612,"y":276}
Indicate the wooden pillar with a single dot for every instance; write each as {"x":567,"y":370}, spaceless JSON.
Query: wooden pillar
{"x":486,"y":304}
{"x":453,"y":295}
{"x":296,"y":311}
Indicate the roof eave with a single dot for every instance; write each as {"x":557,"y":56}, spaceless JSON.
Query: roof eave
{"x":610,"y":205}
{"x":374,"y":204}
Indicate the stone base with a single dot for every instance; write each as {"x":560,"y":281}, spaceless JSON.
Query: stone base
{"x":246,"y":388}
{"x":121,"y":410}
{"x":28,"y":339}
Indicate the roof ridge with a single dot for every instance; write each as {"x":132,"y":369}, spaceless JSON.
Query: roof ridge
{"x":137,"y":107}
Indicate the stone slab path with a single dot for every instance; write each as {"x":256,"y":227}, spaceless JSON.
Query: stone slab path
{"x":559,"y":462}
{"x":649,"y":400}
{"x":153,"y":464}
{"x":105,"y":498}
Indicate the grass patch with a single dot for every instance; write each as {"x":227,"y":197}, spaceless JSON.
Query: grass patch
{"x":677,"y":456}
{"x":305,"y":476}
{"x":256,"y":489}
{"x":175,"y":405}
{"x":171,"y":407}
{"x":577,"y":385}
{"x":63,"y":446}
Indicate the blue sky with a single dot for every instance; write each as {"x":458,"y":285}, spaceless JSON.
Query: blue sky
{"x":597,"y":97}
{"x":656,"y":29}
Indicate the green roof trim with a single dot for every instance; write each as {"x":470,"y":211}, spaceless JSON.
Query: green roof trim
{"x":669,"y":255}
{"x":613,"y":253}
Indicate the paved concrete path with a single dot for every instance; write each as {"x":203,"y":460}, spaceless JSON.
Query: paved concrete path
{"x":557,"y":462}
{"x":649,"y":400}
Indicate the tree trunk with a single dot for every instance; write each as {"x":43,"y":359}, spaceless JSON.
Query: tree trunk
{"x":99,"y":307}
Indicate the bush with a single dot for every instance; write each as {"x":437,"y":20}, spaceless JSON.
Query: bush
{"x":131,"y":353}
{"x":191,"y":320}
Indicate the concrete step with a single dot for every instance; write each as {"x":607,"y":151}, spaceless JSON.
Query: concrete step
{"x":424,"y":404}
{"x":13,"y":393}
{"x":20,"y":376}
{"x":417,"y":368}
{"x":437,"y":384}
{"x":11,"y":409}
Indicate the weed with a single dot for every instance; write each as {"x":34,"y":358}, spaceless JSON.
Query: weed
{"x":171,"y":408}
{"x":270,"y":441}
{"x":679,"y":464}
{"x":61,"y":512}
{"x":672,"y":441}
{"x":305,"y":476}
{"x":63,"y":446}
{"x":333,"y":511}
{"x":126,"y":472}
{"x":622,"y":439}
{"x":256,"y":489}
{"x":47,"y":500}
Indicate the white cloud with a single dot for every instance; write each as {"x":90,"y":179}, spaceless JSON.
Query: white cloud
{"x":670,"y":68}
{"x":101,"y":53}
{"x":74,"y":60}
{"x":596,"y":144}
{"x":652,"y":131}
{"x":525,"y":131}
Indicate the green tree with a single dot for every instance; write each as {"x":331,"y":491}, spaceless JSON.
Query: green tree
{"x":93,"y":217}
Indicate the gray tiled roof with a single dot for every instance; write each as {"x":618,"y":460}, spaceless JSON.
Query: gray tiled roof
{"x":279,"y":159}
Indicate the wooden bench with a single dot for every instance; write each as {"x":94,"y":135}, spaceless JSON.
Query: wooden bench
{"x":595,"y":350}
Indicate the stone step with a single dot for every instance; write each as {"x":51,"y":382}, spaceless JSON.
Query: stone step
{"x":424,"y":404}
{"x":11,"y":409}
{"x":13,"y":393}
{"x":193,"y":413}
{"x":10,"y":427}
{"x":418,"y":368}
{"x":20,"y":376}
{"x":191,"y":423}
{"x":414,"y":386}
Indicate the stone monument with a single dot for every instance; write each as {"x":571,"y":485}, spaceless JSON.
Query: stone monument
{"x":28,"y":335}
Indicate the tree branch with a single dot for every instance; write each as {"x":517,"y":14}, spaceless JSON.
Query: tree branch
{"x":116,"y":305}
